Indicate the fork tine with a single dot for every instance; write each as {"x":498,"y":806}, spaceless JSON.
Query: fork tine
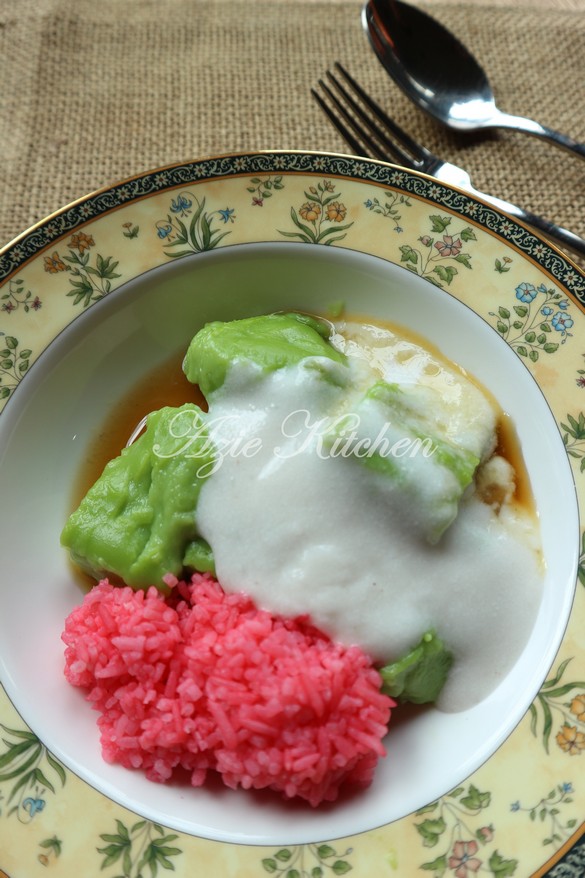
{"x":369,"y":131}
{"x":365,"y":143}
{"x":355,"y":145}
{"x":364,"y":134}
{"x":419,"y":153}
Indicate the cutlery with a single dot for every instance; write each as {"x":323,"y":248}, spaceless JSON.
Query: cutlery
{"x":369,"y":131}
{"x":439,"y":74}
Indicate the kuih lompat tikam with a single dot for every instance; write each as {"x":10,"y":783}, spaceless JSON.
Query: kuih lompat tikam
{"x":261,"y":641}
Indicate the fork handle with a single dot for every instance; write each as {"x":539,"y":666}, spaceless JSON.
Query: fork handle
{"x":557,"y":234}
{"x":529,"y":126}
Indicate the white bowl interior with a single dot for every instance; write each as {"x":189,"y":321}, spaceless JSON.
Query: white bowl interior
{"x":67,"y":395}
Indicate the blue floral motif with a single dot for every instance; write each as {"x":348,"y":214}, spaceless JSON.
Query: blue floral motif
{"x":181,"y":204}
{"x":530,"y":325}
{"x":198,"y":234}
{"x":163,"y":230}
{"x":33,"y":805}
{"x":526,"y":292}
{"x":227,"y":214}
{"x":30,"y":770}
{"x":389,"y":208}
{"x":561,"y":322}
{"x":549,"y":809}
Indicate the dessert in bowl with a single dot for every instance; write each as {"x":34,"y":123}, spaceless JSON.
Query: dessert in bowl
{"x":69,"y":395}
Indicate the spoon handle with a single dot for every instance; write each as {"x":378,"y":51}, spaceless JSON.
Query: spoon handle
{"x":529,"y":126}
{"x":560,"y":236}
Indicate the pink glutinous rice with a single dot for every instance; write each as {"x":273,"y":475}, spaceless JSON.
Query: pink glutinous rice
{"x":203,"y":680}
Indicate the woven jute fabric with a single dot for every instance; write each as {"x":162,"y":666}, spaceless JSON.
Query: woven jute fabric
{"x":92,"y":93}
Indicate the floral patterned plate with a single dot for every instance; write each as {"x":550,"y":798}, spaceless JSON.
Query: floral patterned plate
{"x":521,"y":812}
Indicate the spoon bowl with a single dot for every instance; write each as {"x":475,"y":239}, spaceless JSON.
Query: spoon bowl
{"x":440,"y":74}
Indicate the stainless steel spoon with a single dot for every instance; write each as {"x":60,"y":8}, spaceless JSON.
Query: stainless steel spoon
{"x":439,"y":74}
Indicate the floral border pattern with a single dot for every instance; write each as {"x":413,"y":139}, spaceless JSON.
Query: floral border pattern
{"x":101,"y":202}
{"x":29,"y":771}
{"x":465,"y":849}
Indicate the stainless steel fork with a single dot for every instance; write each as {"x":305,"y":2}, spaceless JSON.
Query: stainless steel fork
{"x":369,"y":131}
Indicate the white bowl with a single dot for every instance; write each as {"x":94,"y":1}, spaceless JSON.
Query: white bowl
{"x":66,"y":396}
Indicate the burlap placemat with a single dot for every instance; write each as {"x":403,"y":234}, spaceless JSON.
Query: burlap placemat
{"x":94,"y":92}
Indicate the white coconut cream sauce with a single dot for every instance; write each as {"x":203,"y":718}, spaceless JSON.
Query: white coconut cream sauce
{"x":304,"y":530}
